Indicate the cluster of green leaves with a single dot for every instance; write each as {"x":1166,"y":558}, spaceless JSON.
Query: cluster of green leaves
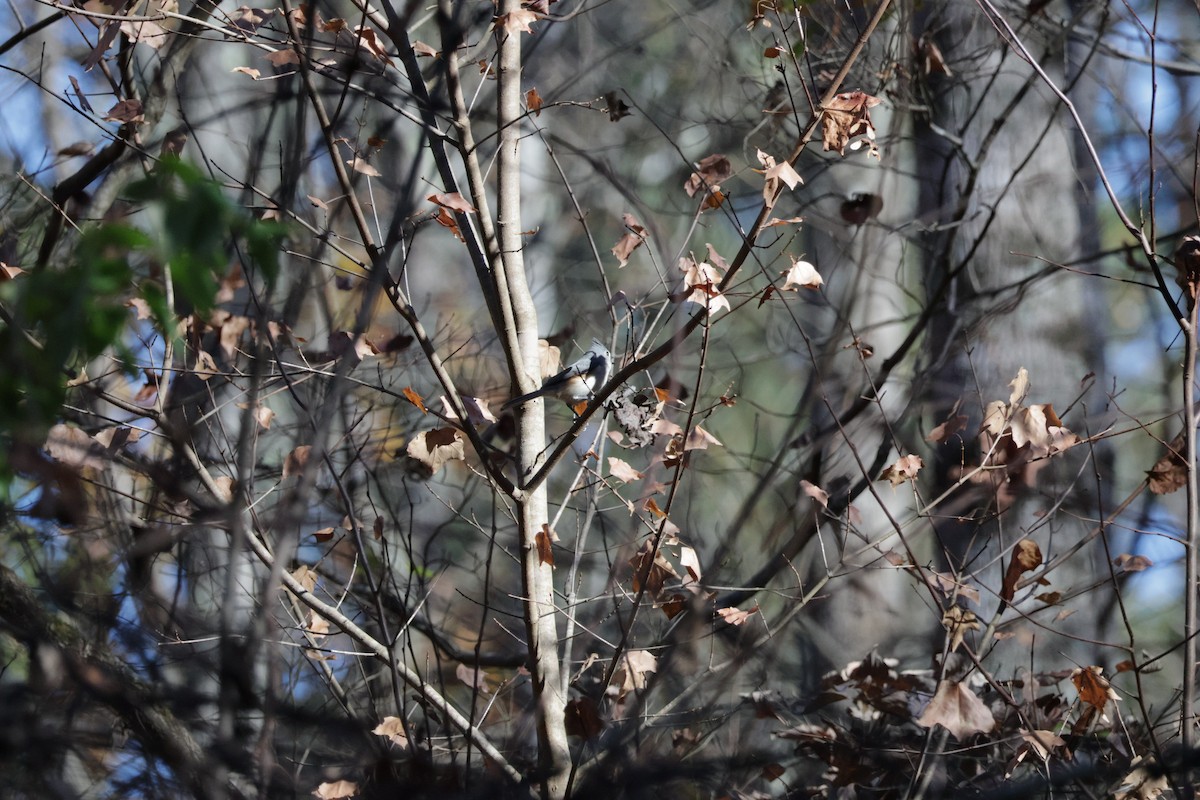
{"x":66,"y":314}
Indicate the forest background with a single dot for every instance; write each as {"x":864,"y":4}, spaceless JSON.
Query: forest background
{"x":892,"y":492}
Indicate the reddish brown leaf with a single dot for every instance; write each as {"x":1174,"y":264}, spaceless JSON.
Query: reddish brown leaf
{"x":414,"y":398}
{"x":533,"y":101}
{"x":1026,"y":555}
{"x":545,"y":547}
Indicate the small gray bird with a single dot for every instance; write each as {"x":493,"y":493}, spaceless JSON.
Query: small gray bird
{"x":578,"y":382}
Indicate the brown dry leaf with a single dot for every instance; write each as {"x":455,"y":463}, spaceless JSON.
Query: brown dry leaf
{"x":775,"y":174}
{"x":860,"y":208}
{"x":801,"y":275}
{"x":710,"y":173}
{"x":368,"y":39}
{"x":904,"y":469}
{"x":1170,"y":472}
{"x":452,"y":201}
{"x":129,"y":110}
{"x":700,"y":439}
{"x":1094,"y":689}
{"x":295,"y":461}
{"x":306,"y":577}
{"x":583,"y":718}
{"x":622,"y":471}
{"x":958,"y":710}
{"x":953,"y":424}
{"x":74,"y":448}
{"x":690,"y":561}
{"x":251,"y":71}
{"x":338,"y":790}
{"x":633,"y":238}
{"x":434,"y":448}
{"x":1043,"y":741}
{"x":1026,"y":556}
{"x":324,"y":535}
{"x":544,"y":540}
{"x":652,"y":575}
{"x":847,"y":117}
{"x":150,"y":32}
{"x":815,"y":492}
{"x":393,"y":729}
{"x":517,"y":21}
{"x":475,"y":678}
{"x":1132,"y":563}
{"x":931,"y":59}
{"x":1146,"y":781}
{"x":735,"y":616}
{"x":414,"y":398}
{"x":423,"y":50}
{"x":957,"y":621}
{"x":634,"y":667}
{"x":363,"y":168}
{"x":283,"y":58}
{"x":533,"y":101}
{"x":7,"y":273}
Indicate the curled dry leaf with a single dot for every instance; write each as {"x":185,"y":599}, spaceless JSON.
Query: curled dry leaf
{"x":363,"y":168}
{"x":710,"y":173}
{"x":815,"y":492}
{"x":775,"y":174}
{"x":635,"y":665}
{"x":533,"y":101}
{"x":904,"y":469}
{"x":801,"y":275}
{"x":633,"y":238}
{"x":958,"y":621}
{"x":650,"y":574}
{"x":1170,"y":473}
{"x":411,"y":396}
{"x":847,"y":117}
{"x":1132,"y":563}
{"x":1026,"y":556}
{"x":1094,"y":689}
{"x":544,"y":541}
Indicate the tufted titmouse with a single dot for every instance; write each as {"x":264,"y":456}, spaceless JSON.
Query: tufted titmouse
{"x":576,"y":383}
